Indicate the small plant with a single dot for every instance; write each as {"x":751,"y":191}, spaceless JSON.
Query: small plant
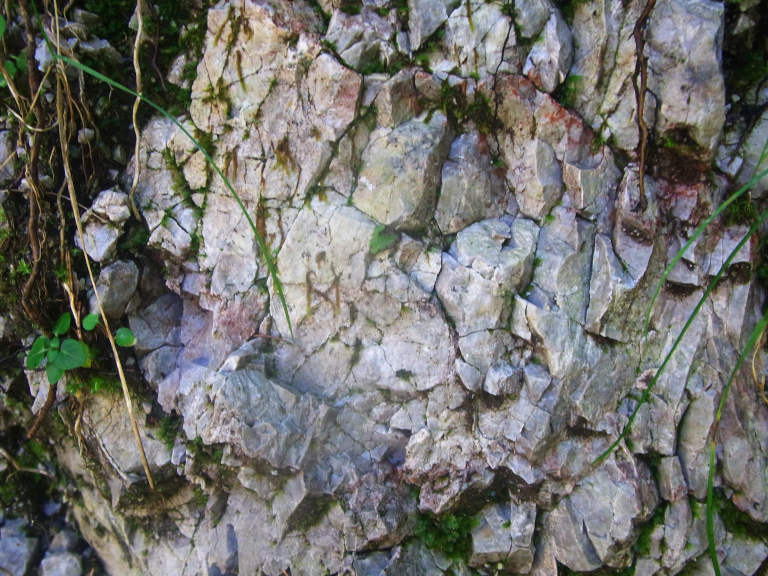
{"x":450,"y":534}
{"x":61,"y":355}
{"x":382,"y":239}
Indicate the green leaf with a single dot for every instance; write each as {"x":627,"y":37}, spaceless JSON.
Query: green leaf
{"x":21,"y":60}
{"x":124,"y":337}
{"x":90,"y":321}
{"x":54,"y":372}
{"x":37,"y":352}
{"x":52,"y":354}
{"x":2,"y":25}
{"x":10,"y":67}
{"x":62,"y":324}
{"x":74,"y":354}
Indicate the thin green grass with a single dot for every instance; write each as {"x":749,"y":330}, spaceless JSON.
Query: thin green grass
{"x":759,"y":328}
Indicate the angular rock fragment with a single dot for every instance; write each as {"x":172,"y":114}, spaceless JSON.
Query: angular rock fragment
{"x":398,"y":182}
{"x":504,"y":535}
{"x":550,"y":58}
{"x":116,"y":285}
{"x":691,"y":90}
{"x":471,"y":190}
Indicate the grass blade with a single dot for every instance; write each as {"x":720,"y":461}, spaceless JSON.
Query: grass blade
{"x":712,"y":284}
{"x":751,"y":343}
{"x":700,"y":229}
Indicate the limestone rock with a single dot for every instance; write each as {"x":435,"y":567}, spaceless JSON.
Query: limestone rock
{"x":361,"y":40}
{"x":550,"y":58}
{"x":470,"y":189}
{"x":586,"y":530}
{"x":61,"y":565}
{"x":398,"y":183}
{"x":480,"y":38}
{"x":16,"y":549}
{"x":531,"y":16}
{"x":103,"y":224}
{"x":691,"y":90}
{"x":425,"y":17}
{"x":537,"y":182}
{"x":116,"y":285}
{"x":505,"y":535}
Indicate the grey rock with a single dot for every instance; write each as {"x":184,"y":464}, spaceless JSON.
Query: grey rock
{"x":504,"y":535}
{"x":536,"y":177}
{"x":425,"y":17}
{"x":64,"y":541}
{"x":103,"y":224}
{"x":604,"y":62}
{"x":692,"y":90}
{"x":479,"y":38}
{"x":531,"y":16}
{"x":116,"y":285}
{"x":745,"y":555}
{"x":362,"y":39}
{"x":470,"y":376}
{"x":564,"y":251}
{"x":398,"y":182}
{"x":261,"y":419}
{"x":672,"y":484}
{"x":594,"y":524}
{"x":503,"y":380}
{"x":397,"y":100}
{"x":471,"y":190}
{"x":751,"y":152}
{"x":550,"y":58}
{"x":157,"y":324}
{"x":61,"y":565}
{"x":16,"y":551}
{"x":7,"y":147}
{"x":591,"y":185}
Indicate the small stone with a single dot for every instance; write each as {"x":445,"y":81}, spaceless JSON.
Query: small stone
{"x":64,"y":541}
{"x":16,"y":553}
{"x":116,"y":285}
{"x":61,"y":565}
{"x":503,"y":380}
{"x":504,"y":535}
{"x":672,"y":484}
{"x":469,"y":375}
{"x":531,"y":16}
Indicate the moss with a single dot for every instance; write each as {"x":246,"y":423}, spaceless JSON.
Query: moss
{"x":741,"y":211}
{"x":567,"y":92}
{"x":382,"y":239}
{"x":167,"y":430}
{"x":737,"y":522}
{"x":459,"y":110}
{"x":642,"y":546}
{"x":450,"y":534}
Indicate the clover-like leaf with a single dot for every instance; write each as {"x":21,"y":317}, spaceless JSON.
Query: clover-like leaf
{"x":37,"y":352}
{"x":90,"y":321}
{"x":62,"y":324}
{"x":124,"y":337}
{"x":54,"y":372}
{"x":73,"y":354}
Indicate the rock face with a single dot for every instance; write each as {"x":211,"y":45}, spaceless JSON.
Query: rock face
{"x":459,"y":328}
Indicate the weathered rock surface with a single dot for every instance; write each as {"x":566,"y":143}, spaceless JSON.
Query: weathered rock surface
{"x":466,"y":267}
